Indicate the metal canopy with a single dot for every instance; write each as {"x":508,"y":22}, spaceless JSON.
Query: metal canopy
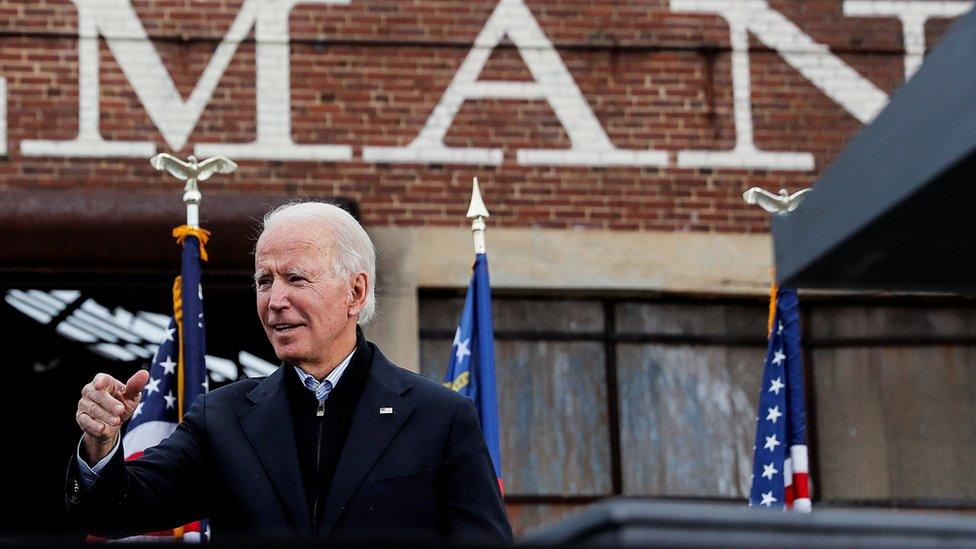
{"x":895,"y":211}
{"x":71,"y":233}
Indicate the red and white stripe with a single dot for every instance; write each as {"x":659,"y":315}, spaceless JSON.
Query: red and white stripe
{"x":145,"y":436}
{"x":796,"y":476}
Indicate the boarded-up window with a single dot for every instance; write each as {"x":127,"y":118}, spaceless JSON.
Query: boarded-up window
{"x":895,"y":392}
{"x":600,"y":398}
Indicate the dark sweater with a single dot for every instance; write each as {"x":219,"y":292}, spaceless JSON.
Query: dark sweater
{"x":320,"y":438}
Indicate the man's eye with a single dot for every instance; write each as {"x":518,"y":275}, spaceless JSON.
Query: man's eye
{"x":262,"y":282}
{"x":295,"y":279}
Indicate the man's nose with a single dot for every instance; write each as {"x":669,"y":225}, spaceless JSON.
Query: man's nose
{"x":278,"y":296}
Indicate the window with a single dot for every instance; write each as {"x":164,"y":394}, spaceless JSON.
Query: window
{"x":602,"y":397}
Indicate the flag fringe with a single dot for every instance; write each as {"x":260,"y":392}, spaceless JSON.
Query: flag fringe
{"x":178,"y":315}
{"x":773,"y":292}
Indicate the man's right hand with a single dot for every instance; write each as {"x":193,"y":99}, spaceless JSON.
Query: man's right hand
{"x":106,"y":403}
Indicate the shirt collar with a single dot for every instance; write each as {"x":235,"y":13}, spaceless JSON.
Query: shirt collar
{"x":333,"y":377}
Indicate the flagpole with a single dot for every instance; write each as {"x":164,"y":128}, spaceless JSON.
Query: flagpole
{"x":477,"y":212}
{"x":192,"y":197}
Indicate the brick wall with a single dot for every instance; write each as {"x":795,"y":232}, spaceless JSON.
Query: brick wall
{"x":656,"y":75}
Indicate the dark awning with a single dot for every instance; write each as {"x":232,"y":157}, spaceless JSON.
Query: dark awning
{"x":67,"y":233}
{"x":895,"y":211}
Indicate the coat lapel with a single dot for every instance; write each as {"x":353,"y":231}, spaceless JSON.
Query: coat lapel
{"x":268,"y":427}
{"x":369,"y":434}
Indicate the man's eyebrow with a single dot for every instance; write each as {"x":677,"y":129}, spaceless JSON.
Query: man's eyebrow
{"x":291,"y":271}
{"x":297,"y":270}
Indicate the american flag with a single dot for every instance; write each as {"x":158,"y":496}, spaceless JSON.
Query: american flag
{"x":178,"y":372}
{"x":780,"y":469}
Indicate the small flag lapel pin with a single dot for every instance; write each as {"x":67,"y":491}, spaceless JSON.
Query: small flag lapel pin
{"x":386,"y":410}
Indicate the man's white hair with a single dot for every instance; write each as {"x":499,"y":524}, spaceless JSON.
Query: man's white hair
{"x":351,"y":246}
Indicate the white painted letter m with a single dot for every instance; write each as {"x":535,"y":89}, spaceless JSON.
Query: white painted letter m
{"x":175,"y":118}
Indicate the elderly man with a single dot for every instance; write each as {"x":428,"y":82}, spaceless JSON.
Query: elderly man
{"x":338,"y":442}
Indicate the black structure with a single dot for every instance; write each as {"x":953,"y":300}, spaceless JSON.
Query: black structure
{"x":77,"y":233}
{"x":668,"y":524}
{"x":895,"y":210}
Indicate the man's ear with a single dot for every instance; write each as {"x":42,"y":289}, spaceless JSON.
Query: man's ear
{"x":357,"y":294}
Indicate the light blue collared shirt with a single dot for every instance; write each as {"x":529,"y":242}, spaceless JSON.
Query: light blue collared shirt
{"x":321,"y":389}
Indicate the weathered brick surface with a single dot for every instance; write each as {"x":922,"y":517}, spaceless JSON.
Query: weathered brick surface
{"x":368,"y":74}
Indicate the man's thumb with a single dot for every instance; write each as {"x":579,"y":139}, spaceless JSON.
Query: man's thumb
{"x":135,"y":384}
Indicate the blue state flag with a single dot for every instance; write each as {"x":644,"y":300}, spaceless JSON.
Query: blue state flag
{"x":472,"y":367}
{"x":780,"y":468}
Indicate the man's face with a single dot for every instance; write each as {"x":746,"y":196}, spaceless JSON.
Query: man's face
{"x":308,"y":314}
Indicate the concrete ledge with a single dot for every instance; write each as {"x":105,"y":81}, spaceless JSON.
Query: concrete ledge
{"x":437,"y":257}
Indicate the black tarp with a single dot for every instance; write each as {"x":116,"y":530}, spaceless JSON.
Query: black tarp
{"x":894,"y":212}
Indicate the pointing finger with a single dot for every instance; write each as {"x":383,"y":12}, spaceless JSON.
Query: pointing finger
{"x":135,"y":384}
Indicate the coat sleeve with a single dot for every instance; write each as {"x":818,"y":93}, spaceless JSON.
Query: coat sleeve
{"x":469,"y":491}
{"x":162,"y":489}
